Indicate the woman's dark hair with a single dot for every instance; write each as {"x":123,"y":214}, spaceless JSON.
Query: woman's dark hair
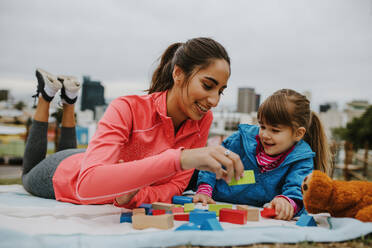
{"x":197,"y":53}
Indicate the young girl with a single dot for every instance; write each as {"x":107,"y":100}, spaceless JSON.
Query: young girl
{"x":289,"y":141}
{"x":145,"y":147}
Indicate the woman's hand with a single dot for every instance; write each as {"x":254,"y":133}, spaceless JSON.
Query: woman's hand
{"x":203,"y":199}
{"x":125,"y":199}
{"x":283,"y":209}
{"x":211,"y":159}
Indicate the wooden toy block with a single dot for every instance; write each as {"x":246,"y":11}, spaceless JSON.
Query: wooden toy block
{"x":158,"y":211}
{"x":139,"y":211}
{"x":198,"y":217}
{"x":253,"y":214}
{"x":162,"y":205}
{"x":187,"y":227}
{"x":268,"y":213}
{"x":177,"y":210}
{"x":146,"y":206}
{"x":234,"y":216}
{"x":181,"y":216}
{"x":141,"y":221}
{"x":306,"y":220}
{"x":248,"y":178}
{"x":126,"y":217}
{"x":217,"y":207}
{"x":187,"y":207}
{"x":178,"y":199}
{"x":211,"y":225}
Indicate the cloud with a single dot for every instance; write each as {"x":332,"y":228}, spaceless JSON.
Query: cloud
{"x":321,"y":46}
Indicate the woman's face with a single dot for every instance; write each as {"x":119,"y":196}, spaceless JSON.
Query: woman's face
{"x":203,"y":91}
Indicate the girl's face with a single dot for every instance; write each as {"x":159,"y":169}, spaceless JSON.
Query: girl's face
{"x":202,"y":93}
{"x":278,"y":138}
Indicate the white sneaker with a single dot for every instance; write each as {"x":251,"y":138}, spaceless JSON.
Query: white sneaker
{"x":70,"y":88}
{"x":47,"y":84}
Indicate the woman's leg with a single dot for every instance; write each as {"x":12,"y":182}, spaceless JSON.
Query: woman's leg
{"x":69,"y":92}
{"x":68,"y":132}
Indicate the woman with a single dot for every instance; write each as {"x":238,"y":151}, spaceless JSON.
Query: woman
{"x":145,"y":147}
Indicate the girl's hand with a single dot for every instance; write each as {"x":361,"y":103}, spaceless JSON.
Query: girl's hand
{"x":211,"y":159}
{"x":283,"y":209}
{"x":204,"y":199}
{"x":125,"y":199}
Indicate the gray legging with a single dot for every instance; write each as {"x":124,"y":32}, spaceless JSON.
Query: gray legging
{"x":38,"y":170}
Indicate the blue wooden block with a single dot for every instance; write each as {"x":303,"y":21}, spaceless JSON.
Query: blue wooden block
{"x":177,"y":199}
{"x":146,"y":206}
{"x":126,"y":217}
{"x":198,"y":217}
{"x":187,"y":227}
{"x":211,"y":225}
{"x":306,"y":220}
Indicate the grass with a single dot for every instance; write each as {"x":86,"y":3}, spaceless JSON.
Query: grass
{"x":361,"y":242}
{"x":8,"y":181}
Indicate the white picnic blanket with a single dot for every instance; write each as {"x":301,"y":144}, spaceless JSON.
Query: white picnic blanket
{"x":29,"y":221}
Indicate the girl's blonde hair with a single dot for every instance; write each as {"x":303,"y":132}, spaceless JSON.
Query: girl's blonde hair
{"x":290,"y":108}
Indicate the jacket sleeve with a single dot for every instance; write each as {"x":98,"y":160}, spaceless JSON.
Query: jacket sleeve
{"x":294,"y":178}
{"x":178,"y":183}
{"x":102,"y":178}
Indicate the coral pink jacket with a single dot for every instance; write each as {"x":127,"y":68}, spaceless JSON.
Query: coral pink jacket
{"x":137,"y":130}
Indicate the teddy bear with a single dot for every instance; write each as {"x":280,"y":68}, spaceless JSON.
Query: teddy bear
{"x":339,"y":198}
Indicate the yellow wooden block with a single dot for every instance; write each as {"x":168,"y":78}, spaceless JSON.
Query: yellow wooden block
{"x":248,"y":178}
{"x":217,"y":207}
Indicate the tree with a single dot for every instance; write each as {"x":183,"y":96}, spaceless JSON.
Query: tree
{"x":19,"y":105}
{"x":358,"y":131}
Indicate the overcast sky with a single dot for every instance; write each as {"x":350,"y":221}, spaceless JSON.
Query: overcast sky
{"x":317,"y":45}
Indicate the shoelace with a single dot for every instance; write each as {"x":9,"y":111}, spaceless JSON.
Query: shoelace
{"x":35,"y":96}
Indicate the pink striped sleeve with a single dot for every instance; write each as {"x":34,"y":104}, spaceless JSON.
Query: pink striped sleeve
{"x":292,"y":202}
{"x":205,"y":189}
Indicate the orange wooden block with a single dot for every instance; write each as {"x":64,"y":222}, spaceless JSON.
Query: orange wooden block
{"x":268,"y":213}
{"x":234,"y":216}
{"x":162,"y":205}
{"x":181,"y":216}
{"x":158,"y":211}
{"x":141,"y":221}
{"x":139,"y":211}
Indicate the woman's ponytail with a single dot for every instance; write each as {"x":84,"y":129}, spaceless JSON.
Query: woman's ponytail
{"x":162,"y":77}
{"x":317,"y":139}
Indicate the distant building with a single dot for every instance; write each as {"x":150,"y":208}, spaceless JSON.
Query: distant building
{"x":92,"y":95}
{"x":248,"y":101}
{"x":4,"y":95}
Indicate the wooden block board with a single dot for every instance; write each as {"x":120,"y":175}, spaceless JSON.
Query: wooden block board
{"x":164,"y":221}
{"x":162,"y":205}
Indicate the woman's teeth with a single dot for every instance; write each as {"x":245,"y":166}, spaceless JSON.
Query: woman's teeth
{"x":201,"y":107}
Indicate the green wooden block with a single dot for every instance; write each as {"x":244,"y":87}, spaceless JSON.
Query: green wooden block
{"x":248,"y":178}
{"x":217,"y":207}
{"x":187,"y":207}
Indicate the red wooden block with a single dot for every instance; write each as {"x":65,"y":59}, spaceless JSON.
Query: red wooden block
{"x":234,"y":216}
{"x":177,"y":210}
{"x":158,"y":211}
{"x":268,"y":213}
{"x":181,"y":216}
